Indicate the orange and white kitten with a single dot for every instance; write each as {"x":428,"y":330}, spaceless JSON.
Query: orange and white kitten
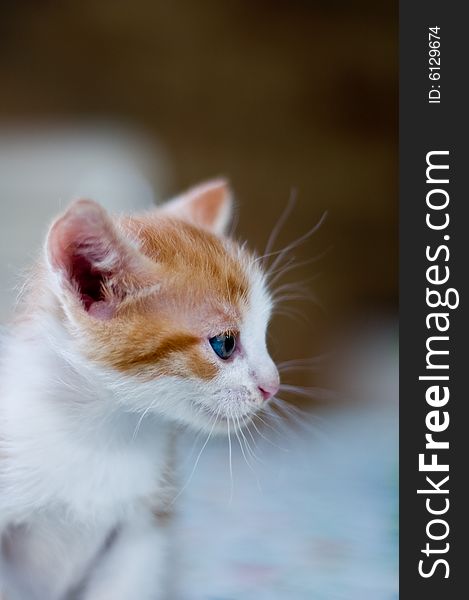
{"x":130,"y":325}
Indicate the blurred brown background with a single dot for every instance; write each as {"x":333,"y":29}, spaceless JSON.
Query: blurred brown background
{"x":273,"y":95}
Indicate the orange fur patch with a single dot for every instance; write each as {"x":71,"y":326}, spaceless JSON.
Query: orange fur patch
{"x":189,"y":251}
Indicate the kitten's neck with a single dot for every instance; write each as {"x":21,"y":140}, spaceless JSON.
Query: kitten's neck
{"x":45,"y":363}
{"x":69,"y":430}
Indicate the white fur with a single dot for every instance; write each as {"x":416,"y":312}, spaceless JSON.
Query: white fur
{"x":71,"y":469}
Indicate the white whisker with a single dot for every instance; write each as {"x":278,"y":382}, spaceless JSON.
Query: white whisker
{"x":316,"y":393}
{"x":284,"y":251}
{"x":246,"y":443}
{"x":280,"y":223}
{"x":242,"y":450}
{"x":139,"y":423}
{"x":189,"y":479}
{"x":266,"y":423}
{"x":266,"y":438}
{"x":303,"y":363}
{"x":241,"y":445}
{"x":230,"y":459}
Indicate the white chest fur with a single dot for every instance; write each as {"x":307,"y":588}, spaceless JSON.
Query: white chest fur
{"x":67,"y":442}
{"x":74,"y":466}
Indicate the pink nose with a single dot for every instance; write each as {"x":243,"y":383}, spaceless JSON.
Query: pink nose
{"x":268,"y":391}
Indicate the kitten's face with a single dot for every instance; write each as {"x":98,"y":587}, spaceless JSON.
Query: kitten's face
{"x":167,"y":307}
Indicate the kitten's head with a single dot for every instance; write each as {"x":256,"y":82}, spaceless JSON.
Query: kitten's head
{"x":171,"y":312}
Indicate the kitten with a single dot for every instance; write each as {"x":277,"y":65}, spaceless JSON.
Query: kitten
{"x":130,"y":326}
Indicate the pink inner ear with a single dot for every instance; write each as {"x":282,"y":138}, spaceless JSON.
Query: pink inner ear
{"x":88,"y":280}
{"x":84,"y":246}
{"x":101,"y":310}
{"x":207,"y":205}
{"x":210,"y":204}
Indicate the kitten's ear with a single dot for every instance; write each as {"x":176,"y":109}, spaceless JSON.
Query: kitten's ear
{"x":95,"y":265}
{"x":208,"y":205}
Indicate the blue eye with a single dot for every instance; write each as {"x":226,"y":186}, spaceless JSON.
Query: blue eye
{"x":223,"y":345}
